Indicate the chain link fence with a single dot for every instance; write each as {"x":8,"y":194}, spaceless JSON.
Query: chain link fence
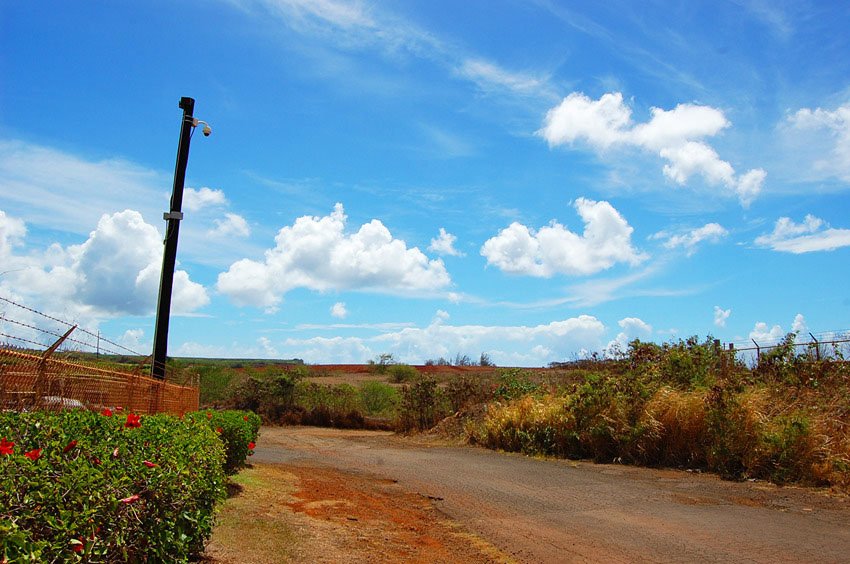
{"x":64,"y":375}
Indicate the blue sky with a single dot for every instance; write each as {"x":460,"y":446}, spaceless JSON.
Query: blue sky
{"x":530,"y":179}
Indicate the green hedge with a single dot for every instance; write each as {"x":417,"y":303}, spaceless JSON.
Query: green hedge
{"x":237,"y":430}
{"x":107,"y":487}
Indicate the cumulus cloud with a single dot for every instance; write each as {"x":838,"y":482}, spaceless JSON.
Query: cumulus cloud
{"x":115,"y":271}
{"x":554,"y":249}
{"x":507,"y":345}
{"x":710,"y":232}
{"x":194,"y":200}
{"x":813,"y":234}
{"x":444,"y":244}
{"x":317,"y":253}
{"x":12,"y":232}
{"x":233,"y":225}
{"x":721,"y":315}
{"x":834,"y":160}
{"x":763,"y":334}
{"x":339,"y":310}
{"x":632,"y":328}
{"x":675,"y":135}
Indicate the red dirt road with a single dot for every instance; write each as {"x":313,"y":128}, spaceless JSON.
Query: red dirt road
{"x":561,"y":511}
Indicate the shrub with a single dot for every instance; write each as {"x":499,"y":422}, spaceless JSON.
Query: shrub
{"x":237,"y":431}
{"x":400,"y":373}
{"x":422,"y":405}
{"x":107,"y":488}
{"x":465,"y":391}
{"x":379,"y":399}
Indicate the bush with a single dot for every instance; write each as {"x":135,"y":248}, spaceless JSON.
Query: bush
{"x":422,"y":405}
{"x":237,"y":431}
{"x":379,"y":399}
{"x":400,"y":373}
{"x":107,"y":488}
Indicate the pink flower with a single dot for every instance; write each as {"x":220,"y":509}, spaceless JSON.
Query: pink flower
{"x":128,"y":500}
{"x":133,"y":420}
{"x":149,"y":464}
{"x":6,"y":447}
{"x":115,"y":453}
{"x":34,"y":454}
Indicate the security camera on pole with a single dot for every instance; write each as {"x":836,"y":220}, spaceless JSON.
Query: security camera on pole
{"x":172,"y":228}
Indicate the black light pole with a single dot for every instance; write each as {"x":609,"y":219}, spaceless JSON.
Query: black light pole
{"x":169,"y":257}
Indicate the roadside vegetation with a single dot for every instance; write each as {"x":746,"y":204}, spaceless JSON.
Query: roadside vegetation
{"x":115,"y":486}
{"x":685,"y":404}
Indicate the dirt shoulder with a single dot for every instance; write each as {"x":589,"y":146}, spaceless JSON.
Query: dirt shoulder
{"x":304,"y":513}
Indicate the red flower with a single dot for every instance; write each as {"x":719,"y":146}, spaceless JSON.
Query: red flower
{"x":245,"y":418}
{"x":77,"y":545}
{"x":106,"y":412}
{"x":69,"y":446}
{"x":129,"y":500}
{"x":209,"y":415}
{"x":96,"y":461}
{"x":6,"y":447}
{"x":34,"y":454}
{"x":149,"y":464}
{"x":251,"y":445}
{"x":218,"y":429}
{"x":133,"y":420}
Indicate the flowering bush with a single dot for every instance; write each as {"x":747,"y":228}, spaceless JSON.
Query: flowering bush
{"x":237,"y":430}
{"x":80,"y":486}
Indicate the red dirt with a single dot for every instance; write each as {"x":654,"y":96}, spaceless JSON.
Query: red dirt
{"x":388,"y":523}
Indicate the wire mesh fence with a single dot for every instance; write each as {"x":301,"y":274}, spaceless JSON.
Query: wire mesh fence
{"x":49,"y":364}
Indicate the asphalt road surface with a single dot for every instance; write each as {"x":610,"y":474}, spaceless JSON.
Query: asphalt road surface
{"x":563,"y":511}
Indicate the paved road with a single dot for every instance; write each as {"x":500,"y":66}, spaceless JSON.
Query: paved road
{"x":562,"y":511}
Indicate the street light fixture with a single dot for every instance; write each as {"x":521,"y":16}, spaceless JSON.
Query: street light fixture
{"x":173,"y":218}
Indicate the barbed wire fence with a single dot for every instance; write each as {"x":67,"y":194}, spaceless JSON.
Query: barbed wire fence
{"x":51,"y":363}
{"x":806,"y":346}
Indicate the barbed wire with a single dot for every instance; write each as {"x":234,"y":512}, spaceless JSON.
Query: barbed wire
{"x":69,"y":325}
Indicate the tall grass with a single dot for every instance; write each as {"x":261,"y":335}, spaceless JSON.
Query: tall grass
{"x":685,"y":405}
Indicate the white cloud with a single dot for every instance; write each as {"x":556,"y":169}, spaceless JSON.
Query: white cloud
{"x":12,"y":232}
{"x":633,"y":328}
{"x":764,"y":335}
{"x":506,"y":345}
{"x":61,"y":191}
{"x":233,"y":225}
{"x":115,"y":271}
{"x":444,"y":244}
{"x":339,"y":310}
{"x":834,"y":147}
{"x":675,"y":135}
{"x":710,"y":232}
{"x":721,"y":315}
{"x":810,"y":236}
{"x":799,"y":324}
{"x":357,"y":25}
{"x":488,"y":74}
{"x":554,"y":249}
{"x":195,"y":200}
{"x":317,"y":253}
